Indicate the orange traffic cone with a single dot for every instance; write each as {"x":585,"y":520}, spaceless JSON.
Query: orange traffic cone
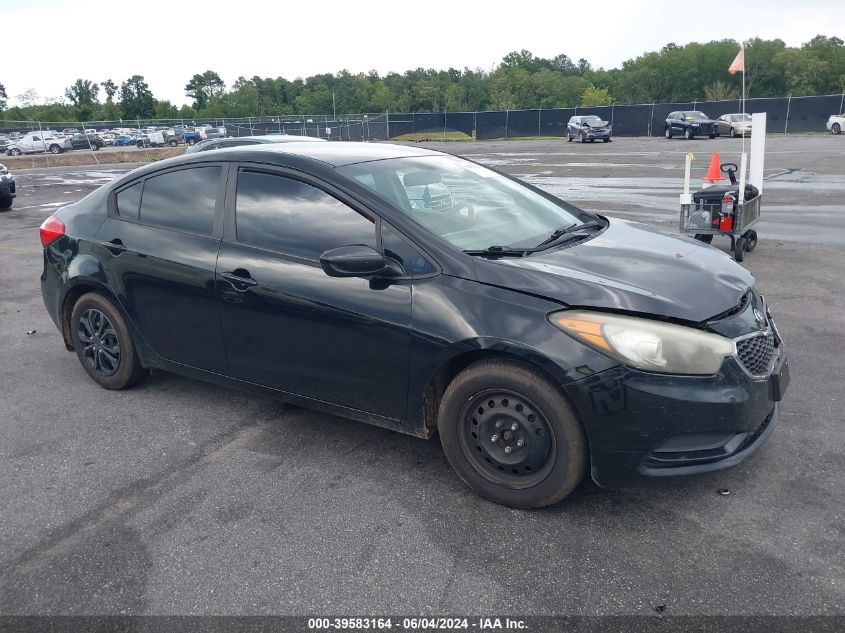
{"x":714,"y":173}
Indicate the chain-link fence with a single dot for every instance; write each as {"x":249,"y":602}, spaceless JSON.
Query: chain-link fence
{"x":785,"y":114}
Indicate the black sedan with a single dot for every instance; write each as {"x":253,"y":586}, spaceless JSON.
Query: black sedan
{"x":86,"y":141}
{"x":541,"y":342}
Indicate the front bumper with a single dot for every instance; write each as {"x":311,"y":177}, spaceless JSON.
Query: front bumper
{"x":597,"y":134}
{"x":642,"y":426}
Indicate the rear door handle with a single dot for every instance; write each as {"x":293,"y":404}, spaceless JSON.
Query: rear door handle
{"x":115,"y":246}
{"x":240,"y":279}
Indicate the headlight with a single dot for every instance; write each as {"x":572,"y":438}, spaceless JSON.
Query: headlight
{"x":646,"y":344}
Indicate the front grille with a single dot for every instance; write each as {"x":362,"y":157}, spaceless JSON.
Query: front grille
{"x":756,"y":353}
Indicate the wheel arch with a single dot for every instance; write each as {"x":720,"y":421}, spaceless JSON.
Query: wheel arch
{"x":459,"y":357}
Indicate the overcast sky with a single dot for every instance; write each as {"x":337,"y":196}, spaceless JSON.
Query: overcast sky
{"x":48,"y":44}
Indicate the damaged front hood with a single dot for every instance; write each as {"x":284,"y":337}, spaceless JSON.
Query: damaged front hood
{"x":630,"y":267}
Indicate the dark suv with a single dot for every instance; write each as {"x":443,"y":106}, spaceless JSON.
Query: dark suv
{"x":689,"y":124}
{"x":86,"y":141}
{"x":540,"y":342}
{"x":588,"y":128}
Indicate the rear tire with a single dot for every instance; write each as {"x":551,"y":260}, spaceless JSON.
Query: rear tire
{"x":173,"y":143}
{"x":548,"y":450}
{"x":6,"y":203}
{"x":55,"y":149}
{"x":103,"y":344}
{"x":15,"y":152}
{"x":750,"y":240}
{"x":836,"y":128}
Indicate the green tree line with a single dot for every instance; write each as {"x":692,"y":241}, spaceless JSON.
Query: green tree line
{"x":695,"y":71}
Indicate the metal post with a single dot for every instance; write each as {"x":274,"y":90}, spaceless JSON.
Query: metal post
{"x":507,"y":120}
{"x":651,"y":120}
{"x":444,"y":126}
{"x":539,"y":114}
{"x":842,"y":103}
{"x":41,"y":133}
{"x":387,"y":124}
{"x":475,"y":125}
{"x":786,"y":122}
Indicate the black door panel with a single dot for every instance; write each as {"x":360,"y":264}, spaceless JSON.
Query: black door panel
{"x":165,"y":282}
{"x":343,"y":341}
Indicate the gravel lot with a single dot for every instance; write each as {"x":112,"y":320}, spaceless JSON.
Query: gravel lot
{"x":178,"y":497}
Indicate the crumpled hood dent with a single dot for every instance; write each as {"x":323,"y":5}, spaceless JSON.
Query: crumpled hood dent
{"x":630,"y":267}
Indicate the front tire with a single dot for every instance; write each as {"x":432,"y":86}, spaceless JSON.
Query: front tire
{"x":668,"y":133}
{"x":6,"y":203}
{"x":103,"y":343}
{"x":688,"y":134}
{"x":15,"y":152}
{"x":836,"y":128}
{"x":733,"y":132}
{"x":511,"y":435}
{"x":173,"y":143}
{"x":55,"y":149}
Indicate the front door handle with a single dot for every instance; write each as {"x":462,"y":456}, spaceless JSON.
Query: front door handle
{"x":240,"y":279}
{"x":115,"y":246}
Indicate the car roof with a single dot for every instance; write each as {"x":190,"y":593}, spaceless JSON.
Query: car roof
{"x":335,"y":154}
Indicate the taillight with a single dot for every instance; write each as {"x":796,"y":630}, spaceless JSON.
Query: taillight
{"x":51,"y":230}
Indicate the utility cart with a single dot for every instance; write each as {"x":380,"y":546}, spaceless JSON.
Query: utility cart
{"x":717,"y":211}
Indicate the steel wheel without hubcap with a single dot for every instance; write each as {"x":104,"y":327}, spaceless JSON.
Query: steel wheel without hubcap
{"x":101,"y":348}
{"x":507,"y":439}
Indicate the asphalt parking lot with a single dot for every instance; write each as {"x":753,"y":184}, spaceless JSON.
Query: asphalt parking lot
{"x":177,"y":497}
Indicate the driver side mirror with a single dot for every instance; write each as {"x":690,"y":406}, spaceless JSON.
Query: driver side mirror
{"x":358,"y":260}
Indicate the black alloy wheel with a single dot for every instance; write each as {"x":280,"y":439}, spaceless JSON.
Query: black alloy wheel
{"x":103,"y":343}
{"x":688,"y":134}
{"x":100,"y":346}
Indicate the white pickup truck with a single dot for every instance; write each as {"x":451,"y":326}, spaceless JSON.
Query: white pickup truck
{"x":35,"y":142}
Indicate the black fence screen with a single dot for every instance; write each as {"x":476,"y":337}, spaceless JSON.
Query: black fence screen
{"x":785,"y":114}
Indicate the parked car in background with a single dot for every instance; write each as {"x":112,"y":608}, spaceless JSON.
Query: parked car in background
{"x":35,"y":142}
{"x":588,"y":128}
{"x":69,"y":131}
{"x":123,"y":140}
{"x":160,"y":138}
{"x":108,"y":138}
{"x":689,"y":124}
{"x":192,"y":137}
{"x":86,"y":141}
{"x":4,"y":143}
{"x":835,"y":123}
{"x":7,"y":188}
{"x":539,"y":342}
{"x":235,"y":141}
{"x":734,"y":125}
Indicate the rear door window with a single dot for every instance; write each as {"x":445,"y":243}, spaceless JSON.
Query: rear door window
{"x":184,"y":199}
{"x":128,"y":202}
{"x":286,"y":215}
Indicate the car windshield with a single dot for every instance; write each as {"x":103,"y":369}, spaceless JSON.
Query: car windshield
{"x":471,"y":206}
{"x":592,"y":120}
{"x":695,"y":116}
